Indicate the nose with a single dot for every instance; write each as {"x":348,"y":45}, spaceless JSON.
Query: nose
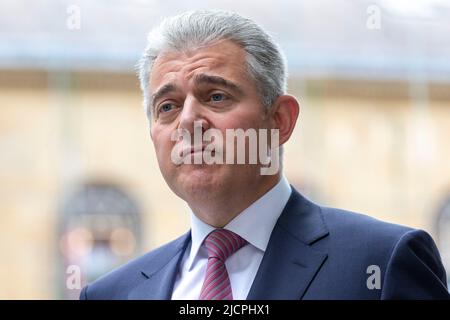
{"x":193,"y":115}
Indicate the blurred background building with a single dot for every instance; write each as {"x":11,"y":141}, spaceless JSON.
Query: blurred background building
{"x":80,"y":185}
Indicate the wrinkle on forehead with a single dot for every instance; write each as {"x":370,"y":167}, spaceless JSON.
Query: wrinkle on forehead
{"x":215,"y":57}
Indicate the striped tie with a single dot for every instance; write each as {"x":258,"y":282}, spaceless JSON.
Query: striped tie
{"x":221,"y":244}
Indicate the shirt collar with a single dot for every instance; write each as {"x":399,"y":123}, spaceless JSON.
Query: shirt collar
{"x":264,"y":212}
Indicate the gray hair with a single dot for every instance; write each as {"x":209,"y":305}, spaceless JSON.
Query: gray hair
{"x":193,"y":29}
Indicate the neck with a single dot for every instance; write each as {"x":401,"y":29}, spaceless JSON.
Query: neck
{"x":223,"y":207}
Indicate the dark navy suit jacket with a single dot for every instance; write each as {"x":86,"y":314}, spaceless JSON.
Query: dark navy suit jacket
{"x":314,"y":252}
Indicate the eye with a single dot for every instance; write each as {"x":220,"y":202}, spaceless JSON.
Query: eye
{"x":166,"y":107}
{"x":217,"y":97}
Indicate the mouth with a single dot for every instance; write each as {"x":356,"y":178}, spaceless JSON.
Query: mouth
{"x":187,"y":151}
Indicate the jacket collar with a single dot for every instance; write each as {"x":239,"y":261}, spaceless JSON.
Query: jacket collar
{"x":159,"y":271}
{"x":290,"y":263}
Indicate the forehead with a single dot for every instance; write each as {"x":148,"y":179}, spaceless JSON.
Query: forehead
{"x":224,"y":58}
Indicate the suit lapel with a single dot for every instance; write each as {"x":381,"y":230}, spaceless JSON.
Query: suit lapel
{"x":290,"y":263}
{"x":286,"y":271}
{"x":160,"y":272}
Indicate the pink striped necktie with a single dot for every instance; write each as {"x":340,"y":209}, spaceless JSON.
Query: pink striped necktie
{"x":221,"y":244}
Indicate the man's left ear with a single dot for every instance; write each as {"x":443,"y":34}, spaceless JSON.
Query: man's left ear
{"x":284,"y":114}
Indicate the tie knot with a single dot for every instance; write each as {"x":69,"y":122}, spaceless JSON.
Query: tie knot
{"x":223,"y":243}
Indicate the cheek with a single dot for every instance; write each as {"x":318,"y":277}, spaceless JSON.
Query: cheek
{"x":244,"y":119}
{"x":161,"y":141}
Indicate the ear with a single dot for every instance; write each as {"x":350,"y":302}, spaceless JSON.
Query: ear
{"x":284,"y":116}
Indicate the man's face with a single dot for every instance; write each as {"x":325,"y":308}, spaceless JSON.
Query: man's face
{"x":211,"y":85}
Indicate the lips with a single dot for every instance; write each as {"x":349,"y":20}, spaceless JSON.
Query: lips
{"x":186,"y":151}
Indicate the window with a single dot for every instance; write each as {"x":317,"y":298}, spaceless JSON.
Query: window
{"x":99,"y":230}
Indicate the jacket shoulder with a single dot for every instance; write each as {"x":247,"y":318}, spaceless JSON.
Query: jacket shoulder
{"x":352,"y":225}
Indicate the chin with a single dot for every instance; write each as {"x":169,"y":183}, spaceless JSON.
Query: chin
{"x":199,"y":174}
{"x":195,"y":179}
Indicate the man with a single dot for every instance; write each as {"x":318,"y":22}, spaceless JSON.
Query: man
{"x":252,"y":236}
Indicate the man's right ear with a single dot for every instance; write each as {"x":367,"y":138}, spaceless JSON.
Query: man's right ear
{"x":285,"y":112}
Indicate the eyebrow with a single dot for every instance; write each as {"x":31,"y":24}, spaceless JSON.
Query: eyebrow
{"x":165,"y":89}
{"x":217,"y":80}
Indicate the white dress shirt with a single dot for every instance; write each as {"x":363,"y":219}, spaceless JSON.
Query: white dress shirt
{"x":243,"y":265}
